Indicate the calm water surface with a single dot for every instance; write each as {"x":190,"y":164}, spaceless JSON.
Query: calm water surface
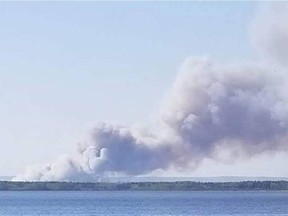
{"x":143,"y":203}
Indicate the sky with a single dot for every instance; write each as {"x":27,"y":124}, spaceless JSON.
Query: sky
{"x":65,"y":66}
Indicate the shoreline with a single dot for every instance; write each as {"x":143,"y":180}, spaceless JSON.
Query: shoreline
{"x":144,"y":186}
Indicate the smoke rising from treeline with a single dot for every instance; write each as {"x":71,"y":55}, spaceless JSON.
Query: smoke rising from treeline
{"x":210,"y":107}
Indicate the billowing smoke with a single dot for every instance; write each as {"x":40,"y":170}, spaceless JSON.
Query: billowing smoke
{"x":214,"y":105}
{"x":270,"y":32}
{"x":242,"y":109}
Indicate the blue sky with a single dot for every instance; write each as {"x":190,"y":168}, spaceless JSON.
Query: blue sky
{"x":67,"y":65}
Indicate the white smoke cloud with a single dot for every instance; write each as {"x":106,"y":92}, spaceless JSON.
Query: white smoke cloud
{"x":270,"y":32}
{"x":211,"y":107}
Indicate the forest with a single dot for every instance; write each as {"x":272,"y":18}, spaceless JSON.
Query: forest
{"x":144,"y":186}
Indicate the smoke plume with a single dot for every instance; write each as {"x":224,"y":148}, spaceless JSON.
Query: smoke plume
{"x":270,"y":32}
{"x":211,"y":106}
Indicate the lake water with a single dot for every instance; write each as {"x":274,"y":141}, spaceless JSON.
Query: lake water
{"x":143,"y":203}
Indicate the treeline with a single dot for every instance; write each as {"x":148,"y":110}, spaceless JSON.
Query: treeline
{"x":143,"y":186}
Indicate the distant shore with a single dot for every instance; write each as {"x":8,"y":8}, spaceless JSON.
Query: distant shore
{"x":144,"y":186}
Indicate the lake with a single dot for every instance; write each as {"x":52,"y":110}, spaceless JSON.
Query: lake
{"x":142,"y":203}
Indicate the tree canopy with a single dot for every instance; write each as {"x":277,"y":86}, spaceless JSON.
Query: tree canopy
{"x":143,"y":186}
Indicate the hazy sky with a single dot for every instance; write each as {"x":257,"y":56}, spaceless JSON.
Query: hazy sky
{"x":67,"y":65}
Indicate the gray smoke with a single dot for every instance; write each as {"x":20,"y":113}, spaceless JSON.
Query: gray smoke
{"x":270,"y":32}
{"x":210,"y":107}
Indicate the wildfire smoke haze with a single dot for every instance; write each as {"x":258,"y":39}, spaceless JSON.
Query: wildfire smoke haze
{"x":211,"y":108}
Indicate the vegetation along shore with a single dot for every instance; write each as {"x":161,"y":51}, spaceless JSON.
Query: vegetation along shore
{"x":143,"y":186}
